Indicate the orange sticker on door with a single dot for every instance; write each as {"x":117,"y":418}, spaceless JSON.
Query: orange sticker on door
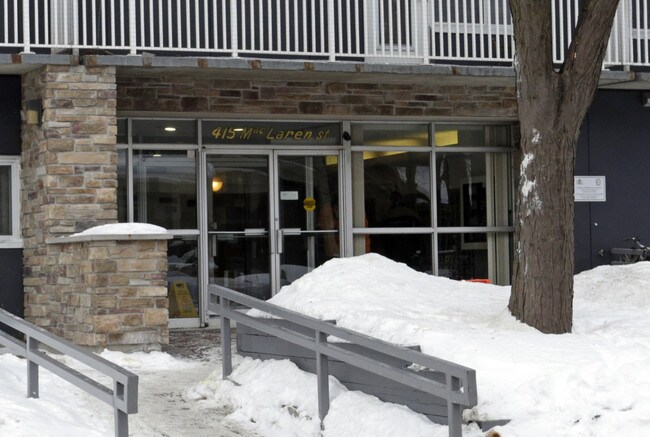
{"x":309,"y":204}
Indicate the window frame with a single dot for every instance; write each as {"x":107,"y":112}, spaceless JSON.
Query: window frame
{"x":13,"y":240}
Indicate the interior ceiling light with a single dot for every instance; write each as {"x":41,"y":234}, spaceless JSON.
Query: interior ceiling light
{"x":217,"y":184}
{"x":170,"y":129}
{"x":239,"y":129}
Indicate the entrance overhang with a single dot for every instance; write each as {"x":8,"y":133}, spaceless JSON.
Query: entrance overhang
{"x":348,"y":71}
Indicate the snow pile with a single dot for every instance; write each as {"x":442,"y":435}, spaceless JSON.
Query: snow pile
{"x":591,"y":382}
{"x":285,"y":405}
{"x":123,"y":229}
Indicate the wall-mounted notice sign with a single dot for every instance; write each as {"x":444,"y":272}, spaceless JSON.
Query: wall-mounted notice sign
{"x":589,"y":189}
{"x":288,"y":195}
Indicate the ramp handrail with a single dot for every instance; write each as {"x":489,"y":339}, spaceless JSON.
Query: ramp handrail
{"x":459,"y":388}
{"x":123,"y":396}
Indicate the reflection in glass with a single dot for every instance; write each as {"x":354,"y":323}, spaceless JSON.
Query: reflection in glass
{"x":122,"y":187}
{"x":462,"y":191}
{"x":396,"y":189}
{"x":463,"y":256}
{"x":309,"y":215}
{"x":164,"y":131}
{"x":302,"y":253}
{"x":413,"y":250}
{"x":390,"y":135}
{"x":164,"y":188}
{"x":453,"y":135}
{"x":238,"y":223}
{"x":240,"y":262}
{"x":5,"y":200}
{"x":182,"y":276}
{"x":122,"y":134}
{"x":242,"y":198}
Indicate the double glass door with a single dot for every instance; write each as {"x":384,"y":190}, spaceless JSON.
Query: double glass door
{"x":272,"y":216}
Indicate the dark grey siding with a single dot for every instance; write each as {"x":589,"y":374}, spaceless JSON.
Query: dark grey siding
{"x":11,"y":260}
{"x":10,"y":115}
{"x":11,"y":275}
{"x":615,"y":143}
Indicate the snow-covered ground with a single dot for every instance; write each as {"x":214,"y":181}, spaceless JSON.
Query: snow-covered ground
{"x":593,"y":382}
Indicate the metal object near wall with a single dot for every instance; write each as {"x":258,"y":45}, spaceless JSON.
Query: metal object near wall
{"x":122,"y":396}
{"x":453,"y":384}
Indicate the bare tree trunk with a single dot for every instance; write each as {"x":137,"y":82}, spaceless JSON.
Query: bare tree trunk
{"x":543,"y":266}
{"x":552,"y":104}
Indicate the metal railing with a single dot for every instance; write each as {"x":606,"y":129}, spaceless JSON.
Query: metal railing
{"x":123,"y":396}
{"x":393,"y":31}
{"x":459,"y":388}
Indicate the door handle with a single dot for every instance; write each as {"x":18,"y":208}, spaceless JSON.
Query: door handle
{"x":254,"y":231}
{"x":280,"y":242}
{"x":281,"y":234}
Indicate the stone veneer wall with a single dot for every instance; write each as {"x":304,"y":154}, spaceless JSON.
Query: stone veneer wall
{"x":196,"y":93}
{"x":116,"y":291}
{"x":69,"y":184}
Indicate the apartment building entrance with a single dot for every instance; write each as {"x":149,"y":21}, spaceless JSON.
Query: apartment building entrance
{"x":271,"y":217}
{"x":255,"y":205}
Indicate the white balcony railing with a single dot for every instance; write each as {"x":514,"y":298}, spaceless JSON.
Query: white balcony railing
{"x":394,"y":31}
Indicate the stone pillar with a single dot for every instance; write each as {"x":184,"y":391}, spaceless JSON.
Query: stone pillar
{"x":69,"y":175}
{"x":114,"y":290}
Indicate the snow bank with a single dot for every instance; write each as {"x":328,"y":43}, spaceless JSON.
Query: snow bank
{"x":591,"y":382}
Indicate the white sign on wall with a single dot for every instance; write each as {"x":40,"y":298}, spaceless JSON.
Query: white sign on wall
{"x":589,"y":189}
{"x":288,"y":195}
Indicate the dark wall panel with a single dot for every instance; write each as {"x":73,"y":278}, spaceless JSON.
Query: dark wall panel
{"x":10,"y":115}
{"x":11,"y":274}
{"x":617,"y":143}
{"x":582,"y":209}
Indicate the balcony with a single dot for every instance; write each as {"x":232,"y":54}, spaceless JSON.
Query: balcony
{"x":411,"y":32}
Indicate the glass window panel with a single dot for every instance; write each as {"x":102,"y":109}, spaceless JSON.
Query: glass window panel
{"x":502,"y":243}
{"x":5,"y":200}
{"x":182,"y":276}
{"x":239,"y":196}
{"x":462,"y":190}
{"x":164,"y":188}
{"x":411,"y":249}
{"x":302,"y":253}
{"x":122,"y":186}
{"x":164,"y":131}
{"x":241,"y":263}
{"x":391,"y":135}
{"x":452,"y":135}
{"x":122,"y":134}
{"x":502,"y":204}
{"x":463,"y":256}
{"x":396,"y":189}
{"x":303,"y":177}
{"x":262,"y":133}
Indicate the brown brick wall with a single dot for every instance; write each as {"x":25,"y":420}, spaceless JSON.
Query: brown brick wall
{"x":199,"y":94}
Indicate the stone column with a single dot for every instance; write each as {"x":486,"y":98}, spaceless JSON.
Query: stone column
{"x":69,"y":178}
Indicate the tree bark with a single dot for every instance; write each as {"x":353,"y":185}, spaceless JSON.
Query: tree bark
{"x":552,"y":104}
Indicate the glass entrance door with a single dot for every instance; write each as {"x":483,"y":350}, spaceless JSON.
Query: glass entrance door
{"x":238,"y":208}
{"x":306,"y":221}
{"x":271,"y":218}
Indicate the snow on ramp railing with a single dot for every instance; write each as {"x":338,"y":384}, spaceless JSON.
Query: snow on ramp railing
{"x":123,"y":396}
{"x":458,"y":389}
